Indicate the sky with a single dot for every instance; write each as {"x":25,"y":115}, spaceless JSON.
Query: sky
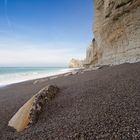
{"x":44,"y":32}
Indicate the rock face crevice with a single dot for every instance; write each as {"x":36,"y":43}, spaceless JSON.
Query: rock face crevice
{"x":117,"y":33}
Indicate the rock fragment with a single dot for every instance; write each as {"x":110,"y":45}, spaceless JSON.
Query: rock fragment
{"x":29,"y":113}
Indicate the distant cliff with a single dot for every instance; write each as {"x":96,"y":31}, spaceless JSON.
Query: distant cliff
{"x":117,"y":33}
{"x":75,"y":63}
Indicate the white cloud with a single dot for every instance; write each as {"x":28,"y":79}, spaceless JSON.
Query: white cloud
{"x":29,"y":54}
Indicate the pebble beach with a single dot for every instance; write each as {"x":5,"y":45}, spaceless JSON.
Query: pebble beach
{"x":92,"y":104}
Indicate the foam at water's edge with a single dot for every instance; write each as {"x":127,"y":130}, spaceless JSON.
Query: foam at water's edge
{"x":21,"y":77}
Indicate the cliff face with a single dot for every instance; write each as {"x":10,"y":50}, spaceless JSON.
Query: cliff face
{"x":117,"y":32}
{"x":75,"y":63}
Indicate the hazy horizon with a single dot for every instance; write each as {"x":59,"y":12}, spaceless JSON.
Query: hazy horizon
{"x":44,"y":33}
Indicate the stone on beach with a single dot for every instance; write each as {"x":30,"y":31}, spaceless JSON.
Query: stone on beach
{"x":40,"y":81}
{"x":74,"y":72}
{"x":67,"y":74}
{"x":53,"y":77}
{"x":28,"y":114}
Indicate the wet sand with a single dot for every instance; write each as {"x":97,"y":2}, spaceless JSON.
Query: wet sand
{"x":102,"y":104}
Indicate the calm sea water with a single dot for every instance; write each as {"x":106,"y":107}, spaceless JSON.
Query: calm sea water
{"x":9,"y":75}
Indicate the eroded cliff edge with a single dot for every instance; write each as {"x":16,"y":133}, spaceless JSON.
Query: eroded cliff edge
{"x":75,"y":63}
{"x":117,"y":33}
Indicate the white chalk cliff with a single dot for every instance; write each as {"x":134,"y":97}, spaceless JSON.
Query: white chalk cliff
{"x":75,"y":63}
{"x":116,"y":31}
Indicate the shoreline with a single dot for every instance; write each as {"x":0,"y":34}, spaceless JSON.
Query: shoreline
{"x":91,"y":104}
{"x":39,"y":77}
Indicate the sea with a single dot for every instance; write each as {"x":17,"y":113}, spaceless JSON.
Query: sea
{"x":11,"y":75}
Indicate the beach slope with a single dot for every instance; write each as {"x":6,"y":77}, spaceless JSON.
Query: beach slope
{"x":101,"y":104}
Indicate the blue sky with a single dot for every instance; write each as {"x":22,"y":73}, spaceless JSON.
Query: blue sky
{"x":44,"y":32}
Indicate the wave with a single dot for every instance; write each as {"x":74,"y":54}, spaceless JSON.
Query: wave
{"x":7,"y":79}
